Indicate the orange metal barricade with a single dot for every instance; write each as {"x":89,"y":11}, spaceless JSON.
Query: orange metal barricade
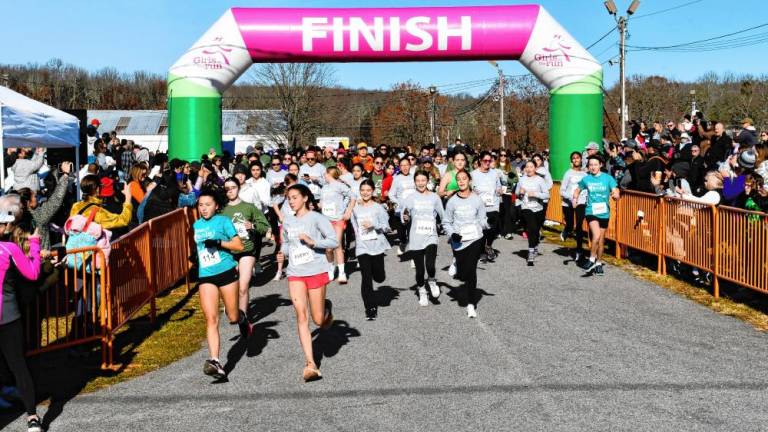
{"x":170,"y":249}
{"x":638,"y":222}
{"x":71,"y":311}
{"x":742,"y":248}
{"x":689,"y":231}
{"x":555,"y":207}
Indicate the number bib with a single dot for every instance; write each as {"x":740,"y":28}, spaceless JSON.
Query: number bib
{"x":487,"y":199}
{"x":599,"y":208}
{"x":425,"y":227}
{"x":301,"y":255}
{"x":315,"y":189}
{"x":208,"y":258}
{"x":367,"y":235}
{"x":469,"y":233}
{"x":241,"y":231}
{"x":329,"y":209}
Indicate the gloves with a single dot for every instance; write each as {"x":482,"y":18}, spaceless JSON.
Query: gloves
{"x":212,"y":244}
{"x":455,"y":238}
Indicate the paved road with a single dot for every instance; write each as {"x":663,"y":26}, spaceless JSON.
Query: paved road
{"x":551,"y":350}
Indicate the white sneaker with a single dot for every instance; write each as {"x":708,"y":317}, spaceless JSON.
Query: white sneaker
{"x":433,"y":288}
{"x":342,"y":279}
{"x":277,"y":276}
{"x":423,"y":300}
{"x":399,"y":251}
{"x":452,"y":269}
{"x":331,"y":274}
{"x":413,"y":264}
{"x":471,"y":313}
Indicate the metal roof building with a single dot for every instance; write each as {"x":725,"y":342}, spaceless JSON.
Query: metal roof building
{"x":149,"y":128}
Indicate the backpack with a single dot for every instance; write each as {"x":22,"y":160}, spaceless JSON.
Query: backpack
{"x":83,"y":232}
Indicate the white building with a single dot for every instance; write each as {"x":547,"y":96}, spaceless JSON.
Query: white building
{"x":149,"y":128}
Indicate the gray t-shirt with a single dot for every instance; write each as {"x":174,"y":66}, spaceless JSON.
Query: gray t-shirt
{"x":466,"y":217}
{"x":402,"y":187}
{"x":302,"y":259}
{"x":487,"y":185}
{"x":317,"y":176}
{"x":372,"y":241}
{"x":540,"y":192}
{"x":423,"y":210}
{"x":334,"y":199}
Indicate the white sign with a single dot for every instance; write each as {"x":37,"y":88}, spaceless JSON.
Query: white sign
{"x":332,"y":142}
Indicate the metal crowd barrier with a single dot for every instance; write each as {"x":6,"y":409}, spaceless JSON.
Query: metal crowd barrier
{"x":729,"y":243}
{"x":147,"y":261}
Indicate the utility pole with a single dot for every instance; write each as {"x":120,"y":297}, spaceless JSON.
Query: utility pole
{"x":5,"y":79}
{"x":433,"y":114}
{"x":502,"y":126}
{"x":621,"y":22}
{"x":693,"y":103}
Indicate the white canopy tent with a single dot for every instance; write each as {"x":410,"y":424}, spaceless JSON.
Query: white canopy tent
{"x":25,"y":122}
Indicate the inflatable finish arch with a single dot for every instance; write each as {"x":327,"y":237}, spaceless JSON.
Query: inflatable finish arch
{"x":243,"y":36}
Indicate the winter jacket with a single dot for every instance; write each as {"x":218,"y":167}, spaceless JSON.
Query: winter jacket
{"x":719,"y":150}
{"x":747,"y":137}
{"x":43,"y":214}
{"x":25,"y":172}
{"x":104,"y":218}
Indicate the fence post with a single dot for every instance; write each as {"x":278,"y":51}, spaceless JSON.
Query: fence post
{"x":661,"y":262}
{"x":715,"y":252}
{"x":187,"y":251}
{"x":150,"y":275}
{"x":616,"y":225}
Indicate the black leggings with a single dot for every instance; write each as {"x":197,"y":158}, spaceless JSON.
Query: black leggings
{"x":491,"y":233}
{"x":12,"y":349}
{"x":533,"y":223}
{"x":508,"y":215}
{"x":569,"y":214}
{"x":402,"y":231}
{"x":424,"y":258}
{"x":371,"y":269}
{"x":466,"y":271}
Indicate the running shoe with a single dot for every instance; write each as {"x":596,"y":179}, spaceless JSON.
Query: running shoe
{"x":563,"y":236}
{"x":413,"y":264}
{"x":423,"y":300}
{"x":328,"y":315}
{"x":525,"y":235}
{"x":508,"y":236}
{"x":278,"y":276}
{"x":531,"y":258}
{"x":433,"y":288}
{"x":452,"y":269}
{"x":34,"y":425}
{"x":471,"y":312}
{"x":342,"y":279}
{"x":399,"y":251}
{"x":590,"y":266}
{"x":370,"y":314}
{"x":213,"y":368}
{"x":575,"y":255}
{"x":599,"y":270}
{"x":246,"y":329}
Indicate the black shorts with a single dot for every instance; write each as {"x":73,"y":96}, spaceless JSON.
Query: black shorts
{"x":221,"y":279}
{"x":237,"y":256}
{"x":602,"y":221}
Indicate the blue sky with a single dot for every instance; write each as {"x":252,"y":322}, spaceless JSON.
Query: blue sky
{"x":152,"y":34}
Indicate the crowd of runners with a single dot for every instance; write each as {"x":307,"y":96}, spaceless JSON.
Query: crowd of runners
{"x":325,"y":209}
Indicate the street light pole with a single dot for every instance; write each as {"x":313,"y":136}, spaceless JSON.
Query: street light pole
{"x":621,"y":22}
{"x":433,"y":114}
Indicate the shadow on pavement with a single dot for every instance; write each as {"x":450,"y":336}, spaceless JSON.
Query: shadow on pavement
{"x":328,"y":343}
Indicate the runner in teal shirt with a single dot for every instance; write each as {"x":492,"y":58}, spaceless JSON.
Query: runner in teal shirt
{"x":599,"y":189}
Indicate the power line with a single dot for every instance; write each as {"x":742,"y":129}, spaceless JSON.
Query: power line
{"x":650,"y":14}
{"x":686,"y":44}
{"x":613,"y":29}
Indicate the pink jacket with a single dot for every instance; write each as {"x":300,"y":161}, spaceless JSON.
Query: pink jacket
{"x":29,"y":266}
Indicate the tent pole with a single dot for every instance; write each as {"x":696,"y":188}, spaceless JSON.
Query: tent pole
{"x":76,"y":172}
{"x":2,"y":148}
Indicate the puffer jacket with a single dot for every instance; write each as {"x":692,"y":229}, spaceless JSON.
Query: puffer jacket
{"x":25,"y":172}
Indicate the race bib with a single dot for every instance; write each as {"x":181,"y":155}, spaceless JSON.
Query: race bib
{"x":504,"y":189}
{"x":470,"y":232}
{"x":370,"y":234}
{"x":241,"y":231}
{"x":599,"y":208}
{"x":425,"y":227}
{"x":487,"y":199}
{"x":301,"y":255}
{"x":329,"y":209}
{"x":315,"y":189}
{"x":209,"y":257}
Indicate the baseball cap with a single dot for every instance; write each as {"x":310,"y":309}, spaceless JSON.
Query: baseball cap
{"x":748,"y":121}
{"x":630,"y":143}
{"x":95,"y":122}
{"x":362,"y":145}
{"x":107,"y":187}
{"x":592,"y":146}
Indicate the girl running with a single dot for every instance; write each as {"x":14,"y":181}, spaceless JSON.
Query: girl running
{"x":307,"y":235}
{"x":402,"y":188}
{"x":282,"y":210}
{"x":464,"y":222}
{"x":600,"y":188}
{"x":532,"y":190}
{"x":336,"y":202}
{"x":448,"y":187}
{"x":216,"y":239}
{"x":370,"y":221}
{"x":249,"y":222}
{"x":420,"y":210}
{"x":573,"y":210}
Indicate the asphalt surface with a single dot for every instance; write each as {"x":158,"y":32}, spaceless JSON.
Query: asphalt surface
{"x":551,"y":350}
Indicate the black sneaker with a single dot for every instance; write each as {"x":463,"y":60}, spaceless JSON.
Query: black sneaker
{"x":370,"y":314}
{"x":34,"y":425}
{"x":531,"y":258}
{"x":599,"y":270}
{"x":213,"y":368}
{"x":589,"y":266}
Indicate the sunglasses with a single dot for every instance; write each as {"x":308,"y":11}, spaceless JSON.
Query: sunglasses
{"x":486,"y":160}
{"x":277,"y":164}
{"x":378,"y":163}
{"x":231,"y":188}
{"x":310,"y":159}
